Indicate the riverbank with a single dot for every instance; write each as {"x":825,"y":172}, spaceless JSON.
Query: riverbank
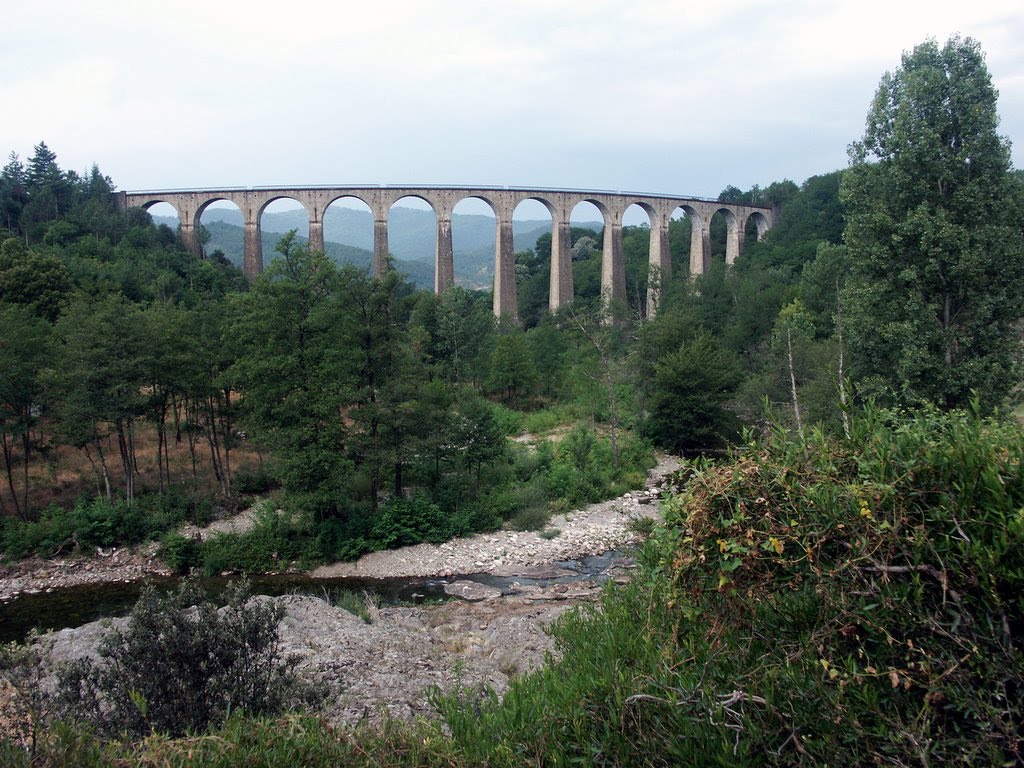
{"x":591,"y":530}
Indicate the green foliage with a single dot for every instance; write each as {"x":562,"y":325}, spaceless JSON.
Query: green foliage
{"x":934,"y":235}
{"x":690,"y":390}
{"x":834,"y":603}
{"x":401,"y":522}
{"x":95,"y":523}
{"x":181,"y":664}
{"x":275,"y":541}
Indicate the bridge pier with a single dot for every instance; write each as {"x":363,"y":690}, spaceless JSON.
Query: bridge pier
{"x":613,"y":267}
{"x":380,"y":245}
{"x":505,"y":297}
{"x":252,"y":249}
{"x":659,"y":268}
{"x":444,"y":259}
{"x":316,"y":236}
{"x":560,"y":290}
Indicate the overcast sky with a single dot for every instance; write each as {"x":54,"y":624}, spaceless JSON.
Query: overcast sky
{"x":647,"y":95}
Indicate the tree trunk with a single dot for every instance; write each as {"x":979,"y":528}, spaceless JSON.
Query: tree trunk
{"x":792,"y":384}
{"x":842,"y":379}
{"x":9,"y":467}
{"x":103,"y":469}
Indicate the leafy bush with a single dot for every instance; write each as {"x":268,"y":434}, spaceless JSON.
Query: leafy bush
{"x":180,"y":553}
{"x":95,"y":523}
{"x":275,"y":541}
{"x":401,"y":522}
{"x":254,"y":480}
{"x":181,"y":664}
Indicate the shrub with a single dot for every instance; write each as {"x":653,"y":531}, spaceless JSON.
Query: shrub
{"x":182,"y":664}
{"x":180,"y":553}
{"x":254,"y":480}
{"x":401,"y":522}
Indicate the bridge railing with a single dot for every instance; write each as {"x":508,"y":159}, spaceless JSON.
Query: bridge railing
{"x":420,"y":186}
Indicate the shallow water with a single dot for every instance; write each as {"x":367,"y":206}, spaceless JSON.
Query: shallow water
{"x":74,"y":606}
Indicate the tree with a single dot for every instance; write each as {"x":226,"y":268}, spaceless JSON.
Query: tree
{"x":934,"y":234}
{"x":688,"y":403}
{"x":512,"y":369}
{"x":294,"y":376}
{"x":23,"y":352}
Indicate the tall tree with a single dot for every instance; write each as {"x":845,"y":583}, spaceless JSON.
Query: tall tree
{"x":934,"y":233}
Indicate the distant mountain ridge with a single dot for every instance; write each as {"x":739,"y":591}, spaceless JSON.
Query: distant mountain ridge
{"x":348,"y":236}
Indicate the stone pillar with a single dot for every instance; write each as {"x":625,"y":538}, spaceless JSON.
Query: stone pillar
{"x":444,"y":261}
{"x":252,"y":248}
{"x":188,"y":228}
{"x":560,"y":290}
{"x":700,"y":246}
{"x":505,"y":298}
{"x":659,"y":263}
{"x":733,"y":239}
{"x":316,"y":236}
{"x":380,"y":244}
{"x":613,"y":268}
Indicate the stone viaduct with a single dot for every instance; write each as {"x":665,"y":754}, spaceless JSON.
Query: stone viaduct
{"x":503,"y":201}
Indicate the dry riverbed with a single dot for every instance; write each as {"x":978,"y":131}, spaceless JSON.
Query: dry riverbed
{"x":389,"y":664}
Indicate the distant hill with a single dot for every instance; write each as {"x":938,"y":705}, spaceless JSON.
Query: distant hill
{"x":228,"y":238}
{"x":411,"y":238}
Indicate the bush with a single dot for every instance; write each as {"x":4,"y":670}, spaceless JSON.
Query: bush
{"x":401,"y":522}
{"x":182,"y":664}
{"x":254,"y":480}
{"x":95,"y":523}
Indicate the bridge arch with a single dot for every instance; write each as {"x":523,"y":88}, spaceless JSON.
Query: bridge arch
{"x":196,"y":227}
{"x":755,"y":224}
{"x":400,"y":225}
{"x":341,"y":215}
{"x":279,"y":204}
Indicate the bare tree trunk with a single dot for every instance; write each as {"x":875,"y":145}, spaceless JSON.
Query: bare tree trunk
{"x":8,"y":466}
{"x":103,"y":468}
{"x":26,"y":443}
{"x":842,"y":377}
{"x":613,"y":413}
{"x":126,"y":462}
{"x":792,"y":383}
{"x":227,"y":432}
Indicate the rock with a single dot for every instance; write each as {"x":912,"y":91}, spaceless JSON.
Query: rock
{"x":471,"y":590}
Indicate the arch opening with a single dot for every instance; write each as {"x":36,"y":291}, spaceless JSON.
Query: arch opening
{"x":685,"y":241}
{"x":412,"y":239}
{"x":640,"y":249}
{"x":725,"y":236}
{"x":586,"y":230}
{"x":474,"y":237}
{"x":348,"y":231}
{"x":755,"y":228}
{"x":276,"y":218}
{"x":220,"y":231}
{"x":166,"y":219}
{"x":532,"y":235}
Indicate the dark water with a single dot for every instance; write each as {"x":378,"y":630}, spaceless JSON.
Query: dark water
{"x":74,"y":606}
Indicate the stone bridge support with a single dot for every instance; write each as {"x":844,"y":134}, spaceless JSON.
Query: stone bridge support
{"x":190,"y":205}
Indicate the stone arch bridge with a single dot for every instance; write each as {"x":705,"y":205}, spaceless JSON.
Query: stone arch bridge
{"x":190,"y":204}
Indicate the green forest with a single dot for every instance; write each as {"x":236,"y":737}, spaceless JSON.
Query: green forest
{"x":838,"y":578}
